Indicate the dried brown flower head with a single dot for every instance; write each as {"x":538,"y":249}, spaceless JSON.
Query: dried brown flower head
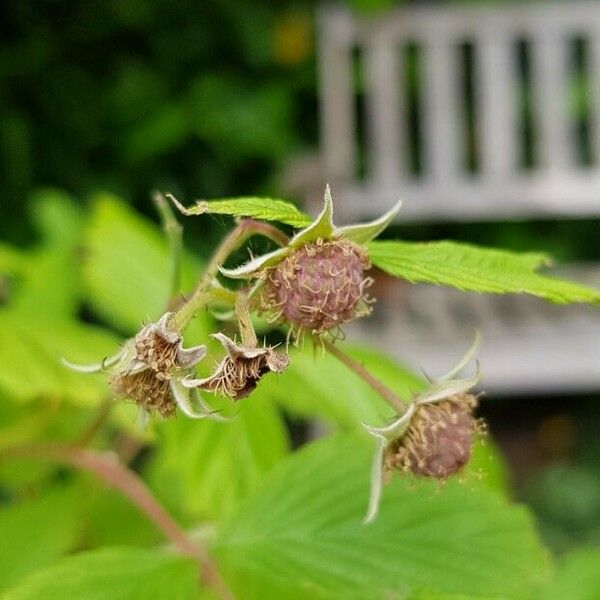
{"x":147,"y":390}
{"x":240,"y":370}
{"x":149,"y":369}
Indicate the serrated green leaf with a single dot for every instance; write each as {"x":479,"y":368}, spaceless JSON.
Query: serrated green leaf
{"x":474,"y":269}
{"x":127,"y":267}
{"x":264,"y":209}
{"x":37,"y":532}
{"x":115,"y":574}
{"x":205,"y":469}
{"x":301,"y":536}
{"x":317,"y":384}
{"x":577,"y":577}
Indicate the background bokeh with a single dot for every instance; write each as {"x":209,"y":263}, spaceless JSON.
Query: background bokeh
{"x":215,"y":99}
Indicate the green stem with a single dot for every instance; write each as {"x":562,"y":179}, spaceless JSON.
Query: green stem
{"x":242,"y":309}
{"x":244,"y":230}
{"x":385,"y":392}
{"x":173,"y":231}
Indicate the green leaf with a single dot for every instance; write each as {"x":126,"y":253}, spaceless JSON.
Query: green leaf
{"x":487,"y":467}
{"x":20,"y":423}
{"x":12,"y":260}
{"x":30,"y":352}
{"x":112,"y":520}
{"x":577,"y":578}
{"x":127,"y":270}
{"x":46,"y":420}
{"x":264,"y":209}
{"x":37,"y":532}
{"x":474,"y":269}
{"x":57,"y":217}
{"x":317,"y":384}
{"x":204,"y":469}
{"x":50,"y":285}
{"x":115,"y":573}
{"x":301,"y":536}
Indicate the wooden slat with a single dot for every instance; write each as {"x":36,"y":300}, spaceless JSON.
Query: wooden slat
{"x":495,"y":79}
{"x":337,"y":97}
{"x":554,"y":144}
{"x":441,"y":111}
{"x":384,"y":110}
{"x":594,"y":74}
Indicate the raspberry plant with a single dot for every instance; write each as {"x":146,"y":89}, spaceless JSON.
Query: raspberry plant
{"x":185,"y":421}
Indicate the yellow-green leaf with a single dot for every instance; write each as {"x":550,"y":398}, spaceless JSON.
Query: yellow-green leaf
{"x":127,"y":270}
{"x":115,"y":572}
{"x":264,"y":209}
{"x":474,"y":269}
{"x":204,"y":469}
{"x":301,"y":536}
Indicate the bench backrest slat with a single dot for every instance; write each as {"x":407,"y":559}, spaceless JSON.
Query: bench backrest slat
{"x":557,"y":183}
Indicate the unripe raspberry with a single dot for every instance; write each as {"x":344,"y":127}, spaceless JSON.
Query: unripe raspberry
{"x":319,"y":286}
{"x":438,"y":441}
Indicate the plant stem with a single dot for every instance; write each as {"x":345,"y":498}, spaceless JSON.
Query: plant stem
{"x":107,"y":467}
{"x":173,"y":231}
{"x":242,"y":309}
{"x":244,"y":230}
{"x":385,"y":392}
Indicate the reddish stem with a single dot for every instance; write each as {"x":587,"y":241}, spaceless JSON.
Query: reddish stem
{"x":107,"y":467}
{"x":383,"y":390}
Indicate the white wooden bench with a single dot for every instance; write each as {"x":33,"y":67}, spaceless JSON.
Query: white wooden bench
{"x":529,"y":346}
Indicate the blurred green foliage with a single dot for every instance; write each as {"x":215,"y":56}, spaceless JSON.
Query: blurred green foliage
{"x":280,"y":525}
{"x":205,"y":97}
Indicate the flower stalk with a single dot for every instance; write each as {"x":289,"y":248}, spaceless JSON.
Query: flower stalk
{"x":383,"y":390}
{"x":173,"y":232}
{"x":245,"y":229}
{"x":247,"y":332}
